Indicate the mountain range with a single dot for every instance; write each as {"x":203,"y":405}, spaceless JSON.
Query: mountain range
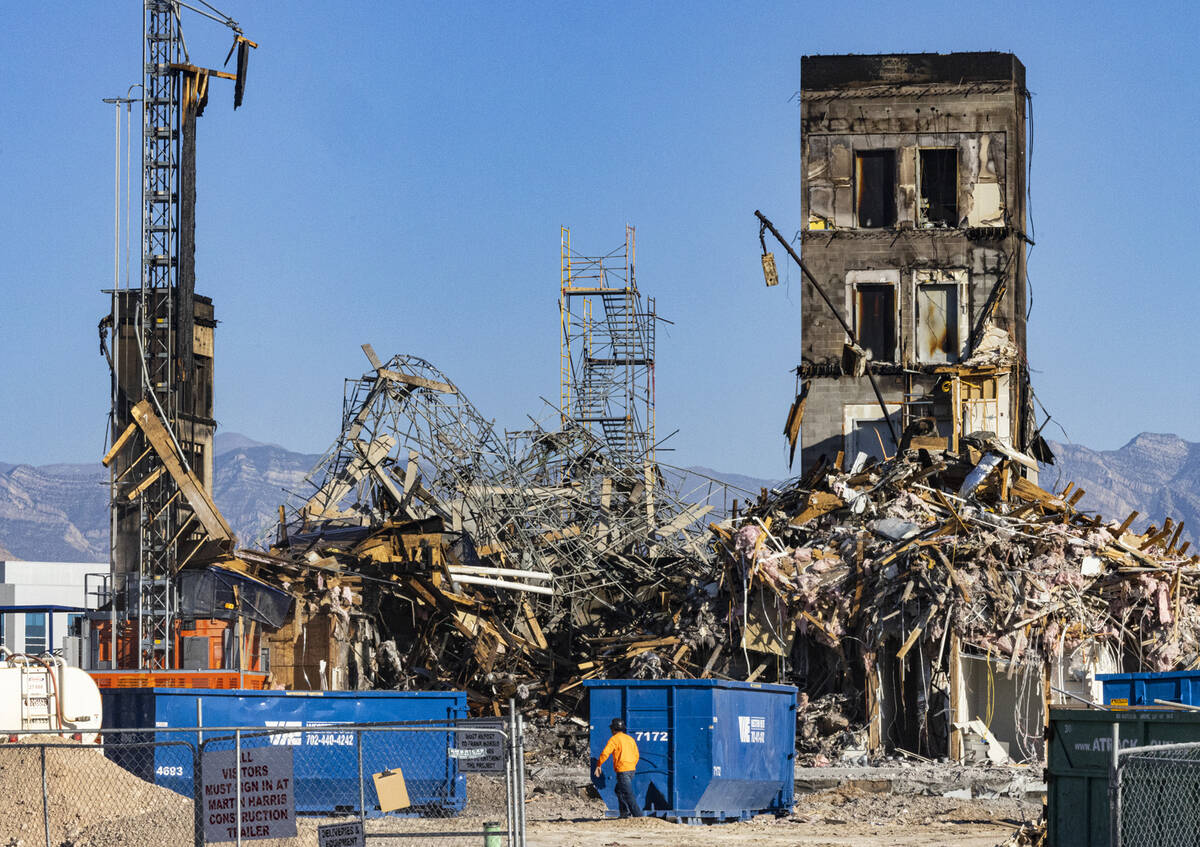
{"x":60,"y":512}
{"x":1155,"y":474}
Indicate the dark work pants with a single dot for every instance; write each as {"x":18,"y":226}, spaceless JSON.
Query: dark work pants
{"x":626,"y":801}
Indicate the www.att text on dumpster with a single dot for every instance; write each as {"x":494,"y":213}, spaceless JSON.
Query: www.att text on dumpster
{"x":268,"y":807}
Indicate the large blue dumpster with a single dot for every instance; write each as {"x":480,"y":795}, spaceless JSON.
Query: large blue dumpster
{"x":1142,"y":689}
{"x":710,"y":750}
{"x":325,"y":765}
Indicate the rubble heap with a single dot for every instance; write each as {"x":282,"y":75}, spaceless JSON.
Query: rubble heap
{"x":871,"y":581}
{"x":427,"y":552}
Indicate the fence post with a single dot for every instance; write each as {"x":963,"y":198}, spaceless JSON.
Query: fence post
{"x":1114,"y":789}
{"x":362,"y":792}
{"x":510,"y":772}
{"x":45,"y":795}
{"x":237,"y":778}
{"x":197,"y":795}
{"x":520,"y":780}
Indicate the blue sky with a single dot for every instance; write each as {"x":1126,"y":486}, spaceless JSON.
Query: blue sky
{"x":399,"y":172}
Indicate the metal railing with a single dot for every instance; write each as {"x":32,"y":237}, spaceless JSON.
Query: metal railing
{"x":444,"y":783}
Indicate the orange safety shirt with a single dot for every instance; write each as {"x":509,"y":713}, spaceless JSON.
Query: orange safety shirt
{"x":624,"y":751}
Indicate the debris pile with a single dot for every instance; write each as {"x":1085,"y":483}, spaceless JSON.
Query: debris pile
{"x":825,"y":732}
{"x":427,"y":552}
{"x":869,"y":581}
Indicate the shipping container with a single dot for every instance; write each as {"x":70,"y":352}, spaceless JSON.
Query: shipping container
{"x":1142,"y":689}
{"x":1080,"y":754}
{"x":709,"y":750}
{"x":326,"y":765}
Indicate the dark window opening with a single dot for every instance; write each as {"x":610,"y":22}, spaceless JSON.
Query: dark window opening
{"x":939,"y":187}
{"x":876,"y":310}
{"x":875,"y":188}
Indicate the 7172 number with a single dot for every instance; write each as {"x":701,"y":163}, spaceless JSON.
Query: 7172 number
{"x":652,"y":735}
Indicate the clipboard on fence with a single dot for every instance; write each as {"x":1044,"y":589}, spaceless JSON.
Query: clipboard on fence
{"x":391,"y":789}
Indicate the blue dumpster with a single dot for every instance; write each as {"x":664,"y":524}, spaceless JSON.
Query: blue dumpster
{"x":710,"y":750}
{"x":325,"y":764}
{"x":1142,"y":689}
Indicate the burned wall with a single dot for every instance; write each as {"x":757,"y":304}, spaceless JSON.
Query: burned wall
{"x":913,"y":202}
{"x":194,"y":423}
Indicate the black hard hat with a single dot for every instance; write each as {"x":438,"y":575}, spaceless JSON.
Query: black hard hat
{"x":617,"y":725}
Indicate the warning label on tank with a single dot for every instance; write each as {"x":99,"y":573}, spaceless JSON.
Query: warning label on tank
{"x":752,"y":730}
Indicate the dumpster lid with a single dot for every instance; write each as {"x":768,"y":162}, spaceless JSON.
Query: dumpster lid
{"x":690,"y":683}
{"x":1133,"y":677}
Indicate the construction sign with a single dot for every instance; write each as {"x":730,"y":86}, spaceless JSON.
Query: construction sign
{"x":268,"y":803}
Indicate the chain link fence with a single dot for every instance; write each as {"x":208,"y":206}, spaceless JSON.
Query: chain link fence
{"x":448,"y":784}
{"x":1156,"y":796}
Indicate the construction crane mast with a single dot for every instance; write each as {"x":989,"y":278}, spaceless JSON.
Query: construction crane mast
{"x":161,"y":420}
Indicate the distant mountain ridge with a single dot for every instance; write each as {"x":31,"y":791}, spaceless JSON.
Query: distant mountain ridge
{"x":60,"y":512}
{"x":1155,"y":474}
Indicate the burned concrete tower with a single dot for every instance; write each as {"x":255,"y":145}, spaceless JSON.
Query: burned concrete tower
{"x":913,"y":201}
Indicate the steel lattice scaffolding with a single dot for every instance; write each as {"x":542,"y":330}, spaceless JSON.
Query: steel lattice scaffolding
{"x":606,"y":358}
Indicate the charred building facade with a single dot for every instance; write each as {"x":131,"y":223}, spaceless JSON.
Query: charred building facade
{"x":913,"y":201}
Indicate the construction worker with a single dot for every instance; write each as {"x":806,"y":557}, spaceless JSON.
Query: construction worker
{"x":624,"y":752}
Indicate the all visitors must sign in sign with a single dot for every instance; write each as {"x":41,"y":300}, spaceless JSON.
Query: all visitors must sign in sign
{"x":268,"y":802}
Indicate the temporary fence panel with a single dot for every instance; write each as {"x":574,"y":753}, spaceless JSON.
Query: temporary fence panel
{"x":459,"y":782}
{"x":57,"y":792}
{"x":1157,"y":796}
{"x":328,"y":765}
{"x":1080,"y":760}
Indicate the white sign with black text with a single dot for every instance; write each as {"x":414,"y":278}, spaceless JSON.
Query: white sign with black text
{"x":477,"y":749}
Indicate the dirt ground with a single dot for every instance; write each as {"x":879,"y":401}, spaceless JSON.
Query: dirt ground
{"x":834,"y":817}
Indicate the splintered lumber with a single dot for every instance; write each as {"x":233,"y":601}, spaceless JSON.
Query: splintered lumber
{"x":372,"y":357}
{"x":819,"y":503}
{"x":325,"y":500}
{"x":150,"y":479}
{"x":1128,"y":522}
{"x":202,"y":506}
{"x":118,"y":444}
{"x":912,"y":636}
{"x":684,"y":518}
{"x":416,"y":381}
{"x":531,"y":621}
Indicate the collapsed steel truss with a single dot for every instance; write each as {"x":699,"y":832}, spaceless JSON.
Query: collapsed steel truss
{"x":413,"y":446}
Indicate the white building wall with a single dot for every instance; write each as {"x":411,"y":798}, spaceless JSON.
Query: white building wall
{"x":43,"y":584}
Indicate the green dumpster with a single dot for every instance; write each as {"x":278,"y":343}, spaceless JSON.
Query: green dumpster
{"x":1077,"y":805}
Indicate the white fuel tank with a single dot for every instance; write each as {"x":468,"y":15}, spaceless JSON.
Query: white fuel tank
{"x":43,"y":692}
